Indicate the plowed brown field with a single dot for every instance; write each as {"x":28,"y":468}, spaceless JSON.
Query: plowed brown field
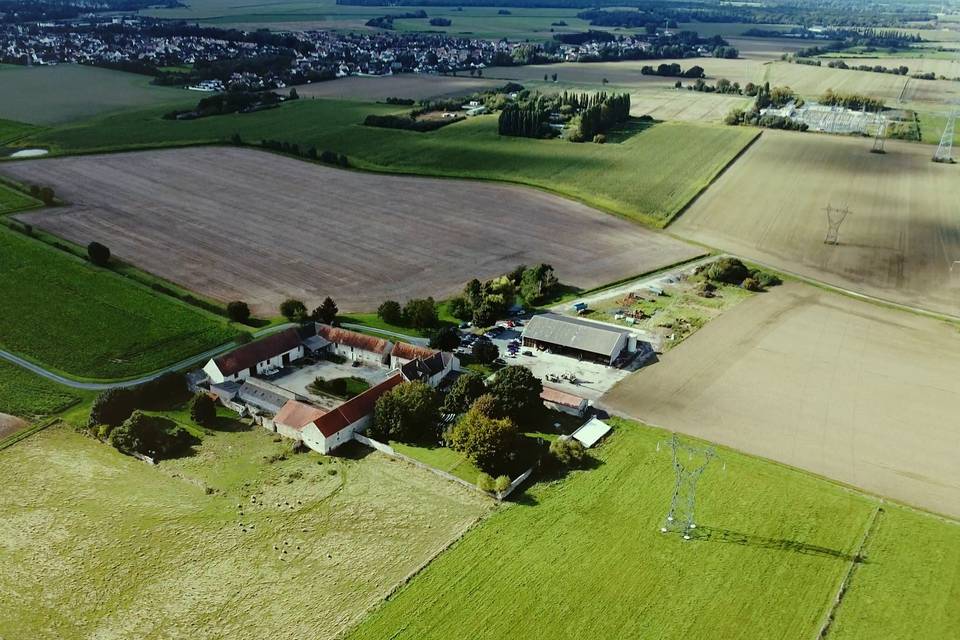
{"x":238,"y":224}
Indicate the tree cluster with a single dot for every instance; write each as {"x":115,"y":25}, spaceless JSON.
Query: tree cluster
{"x":876,"y":68}
{"x":853,"y":101}
{"x":673,"y":70}
{"x":733,"y":271}
{"x":407,"y":123}
{"x":416,"y":313}
{"x":153,"y":436}
{"x":410,"y":412}
{"x":113,"y":406}
{"x":310,"y":153}
{"x":603,"y":112}
{"x":529,"y":120}
{"x":230,"y":102}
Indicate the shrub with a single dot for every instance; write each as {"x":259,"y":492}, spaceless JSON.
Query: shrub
{"x":390,"y":312}
{"x":567,"y":452}
{"x":243,"y":337}
{"x":99,"y":254}
{"x":46,"y":195}
{"x":238,"y":311}
{"x":484,"y":482}
{"x":764,"y":279}
{"x":501,"y":484}
{"x":729,"y":270}
{"x":203,"y":410}
{"x":751,"y":285}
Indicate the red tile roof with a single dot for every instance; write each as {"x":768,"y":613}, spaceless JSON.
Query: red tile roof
{"x":561,"y":397}
{"x":352,"y":339}
{"x":408,"y":351}
{"x":297,"y":414}
{"x":355,"y":408}
{"x":250,"y":354}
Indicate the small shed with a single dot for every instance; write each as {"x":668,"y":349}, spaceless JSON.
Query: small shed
{"x":591,"y":432}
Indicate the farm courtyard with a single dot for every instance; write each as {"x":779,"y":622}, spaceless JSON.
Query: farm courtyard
{"x":817,"y":380}
{"x":242,"y":224}
{"x":898,"y":243}
{"x":224,"y":543}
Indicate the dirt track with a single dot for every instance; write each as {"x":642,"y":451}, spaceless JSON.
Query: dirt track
{"x":241,"y":224}
{"x":898,"y":243}
{"x":843,"y":388}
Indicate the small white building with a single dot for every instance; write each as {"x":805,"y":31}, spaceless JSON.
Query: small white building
{"x":562,"y":401}
{"x":356,"y":347}
{"x":256,"y":358}
{"x":432,"y":369}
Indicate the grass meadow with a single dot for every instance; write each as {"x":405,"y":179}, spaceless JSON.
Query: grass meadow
{"x":220,"y":543}
{"x":89,"y":322}
{"x":647,"y":173}
{"x":28,"y":395}
{"x":11,"y":130}
{"x":585,"y":553}
{"x":14,"y":200}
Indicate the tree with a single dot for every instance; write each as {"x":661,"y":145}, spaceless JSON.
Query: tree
{"x":203,"y":411}
{"x":46,"y":194}
{"x":293,"y":94}
{"x":99,"y":254}
{"x":409,"y":413}
{"x":154,"y":436}
{"x":463,"y":393}
{"x":326,"y":312}
{"x":112,"y":407}
{"x":243,"y":337}
{"x":446,"y":339}
{"x":485,"y":352}
{"x":460,"y":308}
{"x":421,"y":313}
{"x":238,"y":311}
{"x":390,"y":312}
{"x":517,"y":392}
{"x":501,"y":484}
{"x":293,"y":310}
{"x":538,"y":283}
{"x":487,"y":442}
{"x":567,"y":452}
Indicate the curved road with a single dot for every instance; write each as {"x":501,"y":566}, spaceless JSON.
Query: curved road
{"x":192,"y":360}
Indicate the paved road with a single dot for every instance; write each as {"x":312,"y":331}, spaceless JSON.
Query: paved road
{"x":103,"y":386}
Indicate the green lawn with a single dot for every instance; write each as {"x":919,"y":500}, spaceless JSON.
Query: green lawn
{"x":441,"y":458}
{"x":222,"y":543}
{"x":644,"y":173}
{"x":88,"y":322}
{"x":11,"y":130}
{"x":585,"y":553}
{"x":28,"y":395}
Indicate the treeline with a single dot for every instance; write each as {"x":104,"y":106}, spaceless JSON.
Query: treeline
{"x":853,"y":101}
{"x":484,"y":302}
{"x":386,"y":22}
{"x":407,"y":123}
{"x":530,"y":120}
{"x":723,"y":86}
{"x":232,"y":102}
{"x":673,"y":70}
{"x":584,"y":37}
{"x":18,"y":11}
{"x":310,"y":153}
{"x":877,"y":68}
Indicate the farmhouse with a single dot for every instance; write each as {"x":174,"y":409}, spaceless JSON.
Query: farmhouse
{"x":432,"y":369}
{"x":403,"y":353}
{"x":256,"y":358}
{"x":579,"y":338}
{"x":332,"y":429}
{"x":563,"y":401}
{"x":356,"y":346}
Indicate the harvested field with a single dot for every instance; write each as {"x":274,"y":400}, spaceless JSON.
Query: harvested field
{"x":10,"y":425}
{"x":690,"y":106}
{"x":95,"y":544}
{"x":241,"y":224}
{"x":856,"y":392}
{"x":898,"y":244}
{"x":419,"y":86}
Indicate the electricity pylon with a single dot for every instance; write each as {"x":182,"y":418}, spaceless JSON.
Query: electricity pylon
{"x":689,"y":463}
{"x":835,"y":217}
{"x":945,"y":149}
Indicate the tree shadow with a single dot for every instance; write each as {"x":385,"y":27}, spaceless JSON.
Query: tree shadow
{"x":353,"y":450}
{"x":226,"y":424}
{"x":712,"y":534}
{"x":629,"y":129}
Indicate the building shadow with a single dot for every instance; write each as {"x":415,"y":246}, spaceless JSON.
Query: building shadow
{"x":726,"y":536}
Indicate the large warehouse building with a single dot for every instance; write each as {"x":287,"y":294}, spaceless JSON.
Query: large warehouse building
{"x":578,"y":338}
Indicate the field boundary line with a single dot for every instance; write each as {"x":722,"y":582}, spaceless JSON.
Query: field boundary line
{"x":670,"y":220}
{"x":831,"y":612}
{"x":23,"y":434}
{"x":403,"y":582}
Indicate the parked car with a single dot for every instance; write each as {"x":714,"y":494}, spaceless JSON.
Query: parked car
{"x":528,"y":352}
{"x":466,"y":325}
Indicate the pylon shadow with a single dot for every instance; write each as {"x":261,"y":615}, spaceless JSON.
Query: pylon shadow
{"x":711,"y":534}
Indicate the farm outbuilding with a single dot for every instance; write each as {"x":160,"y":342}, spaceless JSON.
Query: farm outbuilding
{"x":273,"y":352}
{"x":356,"y":347}
{"x":332,"y":429}
{"x":562,"y":401}
{"x":578,"y":338}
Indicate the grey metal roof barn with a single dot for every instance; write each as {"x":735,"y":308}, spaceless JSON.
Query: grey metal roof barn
{"x":576,"y":334}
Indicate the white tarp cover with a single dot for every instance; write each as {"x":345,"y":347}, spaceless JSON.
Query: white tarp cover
{"x":591,"y":432}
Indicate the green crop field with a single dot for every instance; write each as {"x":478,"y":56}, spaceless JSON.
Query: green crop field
{"x":88,"y":322}
{"x":98,"y":544}
{"x":27,"y":395}
{"x":11,"y":130}
{"x":47,"y":95}
{"x":774,"y":544}
{"x":645,"y":173}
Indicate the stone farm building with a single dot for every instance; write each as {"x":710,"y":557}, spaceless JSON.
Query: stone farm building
{"x":356,"y":346}
{"x":578,"y":338}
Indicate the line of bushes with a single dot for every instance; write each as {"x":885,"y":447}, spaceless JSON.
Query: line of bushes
{"x":326,"y":156}
{"x":407,"y":123}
